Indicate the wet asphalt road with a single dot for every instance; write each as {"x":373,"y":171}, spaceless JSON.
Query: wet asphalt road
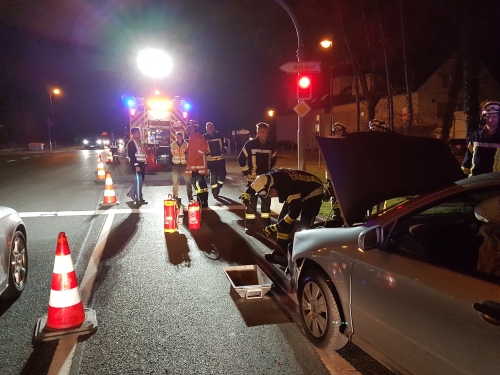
{"x":163,"y":303}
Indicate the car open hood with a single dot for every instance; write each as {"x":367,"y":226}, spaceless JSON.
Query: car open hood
{"x":367,"y":168}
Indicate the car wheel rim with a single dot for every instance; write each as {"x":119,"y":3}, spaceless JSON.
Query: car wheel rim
{"x":314,"y":309}
{"x":18,"y":263}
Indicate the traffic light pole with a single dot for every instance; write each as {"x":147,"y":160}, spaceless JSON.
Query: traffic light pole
{"x":301,"y":139}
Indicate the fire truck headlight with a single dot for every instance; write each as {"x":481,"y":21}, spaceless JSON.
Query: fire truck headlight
{"x":106,"y":142}
{"x":99,"y":141}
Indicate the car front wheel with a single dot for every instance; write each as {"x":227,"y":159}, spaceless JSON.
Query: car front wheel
{"x":319,"y":312}
{"x":18,"y":267}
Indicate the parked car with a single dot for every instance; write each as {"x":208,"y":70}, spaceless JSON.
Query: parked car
{"x":13,"y":254}
{"x":416,"y":284}
{"x":286,"y":145}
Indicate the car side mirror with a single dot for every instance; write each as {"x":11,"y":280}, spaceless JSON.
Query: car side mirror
{"x":370,"y":238}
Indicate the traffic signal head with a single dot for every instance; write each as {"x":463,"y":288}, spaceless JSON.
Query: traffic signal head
{"x":304,"y":88}
{"x":132,"y":111}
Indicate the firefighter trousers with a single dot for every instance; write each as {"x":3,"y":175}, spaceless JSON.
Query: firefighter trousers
{"x":308,"y":211}
{"x":201,"y":189}
{"x":265,"y":211}
{"x":217,"y":175}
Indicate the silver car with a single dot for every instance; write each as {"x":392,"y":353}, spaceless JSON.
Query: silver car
{"x":13,"y":254}
{"x":410,"y":271}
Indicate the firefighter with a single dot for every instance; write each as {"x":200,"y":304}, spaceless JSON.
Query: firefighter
{"x":338,"y":129}
{"x":258,"y":156}
{"x":377,"y":125}
{"x":483,"y":151}
{"x":196,"y":162}
{"x":216,"y":162}
{"x":113,"y":147}
{"x":178,"y":150}
{"x":137,"y":155}
{"x":301,"y":194}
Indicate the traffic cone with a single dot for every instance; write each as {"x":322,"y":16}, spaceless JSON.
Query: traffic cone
{"x":100,"y":171}
{"x":110,"y":157}
{"x":66,"y":314}
{"x":109,"y":192}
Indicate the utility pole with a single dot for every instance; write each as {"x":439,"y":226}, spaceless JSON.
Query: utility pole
{"x":301,"y":139}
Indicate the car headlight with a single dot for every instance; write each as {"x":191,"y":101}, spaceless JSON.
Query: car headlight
{"x":120,"y":141}
{"x":106,"y":142}
{"x":99,"y":141}
{"x":85,"y":142}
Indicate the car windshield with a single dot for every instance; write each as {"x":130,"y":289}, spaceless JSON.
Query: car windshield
{"x":389,"y":205}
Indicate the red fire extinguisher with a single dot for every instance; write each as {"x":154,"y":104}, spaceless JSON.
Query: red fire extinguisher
{"x":194,"y":215}
{"x":170,"y":211}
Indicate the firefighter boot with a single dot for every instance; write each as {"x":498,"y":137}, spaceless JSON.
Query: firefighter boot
{"x":203,"y":199}
{"x":215,"y":192}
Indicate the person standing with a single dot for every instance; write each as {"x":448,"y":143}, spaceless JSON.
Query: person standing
{"x":137,"y":155}
{"x":216,"y":162}
{"x":196,"y":162}
{"x":258,"y":156}
{"x":483,"y":150}
{"x":178,"y":150}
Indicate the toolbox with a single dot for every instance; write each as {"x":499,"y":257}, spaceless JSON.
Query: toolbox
{"x":248,"y":281}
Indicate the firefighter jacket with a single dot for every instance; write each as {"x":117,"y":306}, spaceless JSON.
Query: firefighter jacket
{"x":257,"y":158}
{"x":196,"y":160}
{"x":136,"y":152}
{"x":294,"y":187}
{"x":217,"y":144}
{"x":178,"y":152}
{"x":483,"y":153}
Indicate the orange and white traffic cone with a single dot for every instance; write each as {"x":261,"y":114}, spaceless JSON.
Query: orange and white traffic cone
{"x":101,"y":177}
{"x":110,"y":157}
{"x":109,"y":192}
{"x":66,"y":314}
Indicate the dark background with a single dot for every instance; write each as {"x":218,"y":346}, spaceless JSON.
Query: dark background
{"x":226,"y":54}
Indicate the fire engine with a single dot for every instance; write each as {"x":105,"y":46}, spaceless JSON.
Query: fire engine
{"x":159,"y":118}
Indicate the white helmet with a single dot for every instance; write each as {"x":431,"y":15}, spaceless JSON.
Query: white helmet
{"x":376,"y":125}
{"x":491,"y":107}
{"x":339,"y":129}
{"x":262,"y":185}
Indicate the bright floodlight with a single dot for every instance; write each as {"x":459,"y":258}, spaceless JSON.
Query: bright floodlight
{"x":154,"y":63}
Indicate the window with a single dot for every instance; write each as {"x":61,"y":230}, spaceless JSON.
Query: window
{"x":450,"y":235}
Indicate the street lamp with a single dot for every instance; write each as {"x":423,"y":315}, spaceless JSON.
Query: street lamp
{"x":154,"y":63}
{"x":328,"y":43}
{"x":52,"y":91}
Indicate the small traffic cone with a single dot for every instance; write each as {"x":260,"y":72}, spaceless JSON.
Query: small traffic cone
{"x":109,"y":192}
{"x":100,"y":171}
{"x":110,"y":157}
{"x":66,"y":314}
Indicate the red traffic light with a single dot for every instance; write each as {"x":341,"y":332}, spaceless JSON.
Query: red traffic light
{"x":304,"y":88}
{"x":304,"y":82}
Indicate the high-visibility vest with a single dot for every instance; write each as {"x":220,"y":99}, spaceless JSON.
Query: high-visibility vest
{"x":140,"y":153}
{"x":178,"y":152}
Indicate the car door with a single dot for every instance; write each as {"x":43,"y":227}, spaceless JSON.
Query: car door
{"x":412,"y":300}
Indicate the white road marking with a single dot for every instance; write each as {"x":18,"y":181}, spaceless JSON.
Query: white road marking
{"x":63,"y":356}
{"x":27,"y":157}
{"x":9,"y":161}
{"x":118,"y":211}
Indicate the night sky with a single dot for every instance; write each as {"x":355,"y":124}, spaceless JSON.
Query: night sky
{"x":226,"y":55}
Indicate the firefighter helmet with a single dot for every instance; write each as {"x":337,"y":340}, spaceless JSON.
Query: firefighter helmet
{"x":491,"y":107}
{"x":262,"y":185}
{"x":339,"y":129}
{"x":377,"y":125}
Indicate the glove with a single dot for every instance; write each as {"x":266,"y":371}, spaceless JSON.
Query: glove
{"x":245,"y":198}
{"x":271,"y":229}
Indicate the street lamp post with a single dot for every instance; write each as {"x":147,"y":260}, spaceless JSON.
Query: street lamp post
{"x":301,"y":139}
{"x":51,"y":122}
{"x":328,"y":43}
